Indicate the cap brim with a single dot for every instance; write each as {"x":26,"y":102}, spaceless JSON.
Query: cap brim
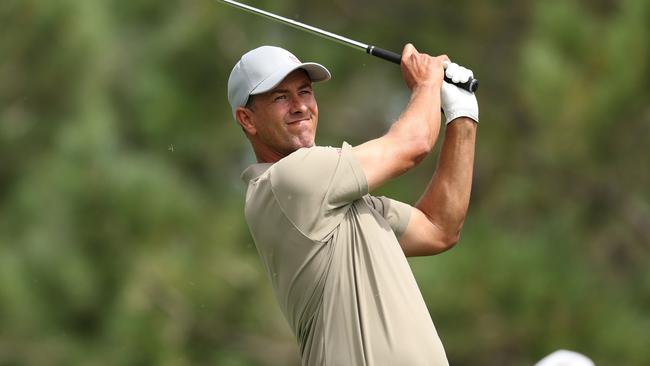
{"x":316,"y":72}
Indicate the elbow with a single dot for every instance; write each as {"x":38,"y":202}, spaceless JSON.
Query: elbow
{"x":412,"y":148}
{"x":450,"y":233}
{"x":450,"y":241}
{"x":433,"y":247}
{"x":418,"y":150}
{"x":445,"y":243}
{"x":410,"y":154}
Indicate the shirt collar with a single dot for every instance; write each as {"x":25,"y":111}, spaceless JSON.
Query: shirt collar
{"x":255,"y":171}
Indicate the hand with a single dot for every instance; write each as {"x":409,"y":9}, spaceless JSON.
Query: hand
{"x":457,"y":102}
{"x":420,"y":69}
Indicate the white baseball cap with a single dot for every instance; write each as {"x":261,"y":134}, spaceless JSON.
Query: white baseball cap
{"x":263,"y":68}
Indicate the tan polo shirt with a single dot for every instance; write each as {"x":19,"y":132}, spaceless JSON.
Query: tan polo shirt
{"x":335,"y":264}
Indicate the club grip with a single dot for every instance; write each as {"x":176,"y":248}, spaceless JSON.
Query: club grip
{"x":470,"y":85}
{"x":387,"y":55}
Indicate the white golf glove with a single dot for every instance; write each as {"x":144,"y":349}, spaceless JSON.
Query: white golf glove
{"x":457,"y":102}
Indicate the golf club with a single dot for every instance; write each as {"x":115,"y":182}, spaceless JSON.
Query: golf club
{"x":470,"y":85}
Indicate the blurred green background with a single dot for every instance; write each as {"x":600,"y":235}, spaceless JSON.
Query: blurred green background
{"x":122,"y":236}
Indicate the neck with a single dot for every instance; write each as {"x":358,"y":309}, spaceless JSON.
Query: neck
{"x":265,"y":154}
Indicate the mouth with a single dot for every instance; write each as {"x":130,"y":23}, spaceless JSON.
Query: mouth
{"x":306,"y":119}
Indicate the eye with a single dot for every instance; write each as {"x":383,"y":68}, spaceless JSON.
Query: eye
{"x":279,"y":98}
{"x":305,"y":92}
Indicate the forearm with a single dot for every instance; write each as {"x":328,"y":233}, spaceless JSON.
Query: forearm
{"x":446,"y":199}
{"x":414,"y":134}
{"x":420,"y":121}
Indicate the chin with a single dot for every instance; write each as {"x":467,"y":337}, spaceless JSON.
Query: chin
{"x":297,"y":146}
{"x":305,"y":142}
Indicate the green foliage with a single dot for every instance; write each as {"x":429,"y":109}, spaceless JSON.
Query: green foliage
{"x":122,"y":238}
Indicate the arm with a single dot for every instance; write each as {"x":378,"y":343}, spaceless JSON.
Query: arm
{"x":438,"y":216}
{"x":436,"y":221}
{"x":414,"y":134}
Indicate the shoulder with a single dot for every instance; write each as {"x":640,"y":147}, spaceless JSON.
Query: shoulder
{"x":305,"y":166}
{"x":314,"y":154}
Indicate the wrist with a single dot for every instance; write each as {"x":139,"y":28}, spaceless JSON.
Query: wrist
{"x":462,"y":122}
{"x":466,"y":115}
{"x":426,"y":87}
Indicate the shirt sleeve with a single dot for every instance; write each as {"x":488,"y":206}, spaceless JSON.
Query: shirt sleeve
{"x":315,"y":187}
{"x":396,"y":213}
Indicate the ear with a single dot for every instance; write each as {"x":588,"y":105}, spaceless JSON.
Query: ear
{"x":245,"y":119}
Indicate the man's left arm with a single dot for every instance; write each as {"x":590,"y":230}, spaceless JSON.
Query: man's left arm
{"x":438,"y":216}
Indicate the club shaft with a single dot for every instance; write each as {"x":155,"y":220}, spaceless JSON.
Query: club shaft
{"x":299,"y":25}
{"x":470,"y":85}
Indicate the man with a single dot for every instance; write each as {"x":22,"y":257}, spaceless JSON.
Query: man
{"x":336,"y":256}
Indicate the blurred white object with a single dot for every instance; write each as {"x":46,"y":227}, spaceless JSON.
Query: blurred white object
{"x":565,"y":358}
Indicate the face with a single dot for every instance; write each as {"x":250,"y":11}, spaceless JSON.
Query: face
{"x":284,"y":119}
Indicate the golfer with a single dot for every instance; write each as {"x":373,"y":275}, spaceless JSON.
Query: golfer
{"x":335,"y":255}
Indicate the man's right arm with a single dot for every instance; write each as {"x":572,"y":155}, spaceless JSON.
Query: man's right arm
{"x":435,"y":222}
{"x":414,"y":134}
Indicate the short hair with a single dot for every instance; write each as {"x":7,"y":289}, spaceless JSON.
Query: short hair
{"x":250,"y":102}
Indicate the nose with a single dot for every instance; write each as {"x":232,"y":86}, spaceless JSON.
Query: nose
{"x":298,"y":105}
